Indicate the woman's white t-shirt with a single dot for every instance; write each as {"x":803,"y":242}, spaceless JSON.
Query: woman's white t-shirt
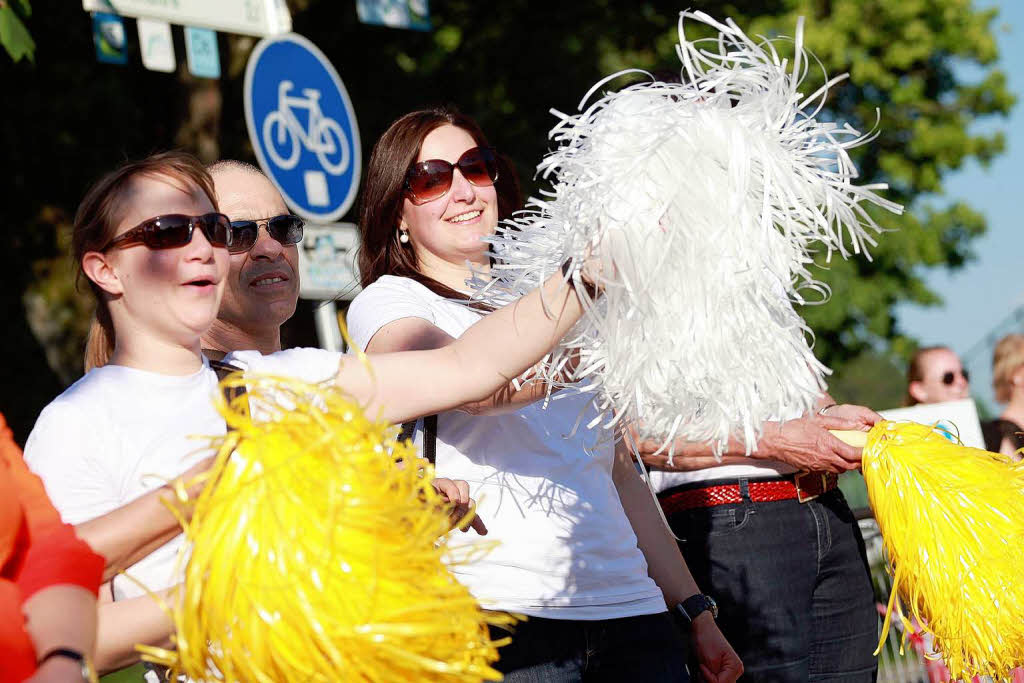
{"x":119,"y":432}
{"x":543,"y":486}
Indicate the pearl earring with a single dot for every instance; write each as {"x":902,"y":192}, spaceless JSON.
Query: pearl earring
{"x":403,"y":236}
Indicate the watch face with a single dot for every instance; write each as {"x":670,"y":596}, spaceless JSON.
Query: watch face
{"x":713,"y":606}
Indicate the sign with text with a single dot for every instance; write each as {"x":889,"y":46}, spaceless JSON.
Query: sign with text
{"x":302,"y":127}
{"x":248,"y":17}
{"x":327,"y":262}
{"x":156,"y":45}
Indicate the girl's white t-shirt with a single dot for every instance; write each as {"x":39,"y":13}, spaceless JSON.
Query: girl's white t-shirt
{"x":119,"y":432}
{"x":542,"y":481}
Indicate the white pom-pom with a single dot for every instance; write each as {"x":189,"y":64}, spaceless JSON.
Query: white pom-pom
{"x":706,"y":199}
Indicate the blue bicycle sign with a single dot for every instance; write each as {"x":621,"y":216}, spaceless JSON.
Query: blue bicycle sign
{"x":283,"y":134}
{"x":302,"y":127}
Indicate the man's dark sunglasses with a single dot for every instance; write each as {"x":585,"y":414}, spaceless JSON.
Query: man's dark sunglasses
{"x":286,"y":229}
{"x":949,"y":377}
{"x":175,"y":230}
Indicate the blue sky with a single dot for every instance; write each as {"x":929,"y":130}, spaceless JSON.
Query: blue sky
{"x":986,"y":291}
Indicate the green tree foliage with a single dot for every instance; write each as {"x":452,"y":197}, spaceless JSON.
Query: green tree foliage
{"x":873,"y":379}
{"x":506,"y":63}
{"x":13,"y":35}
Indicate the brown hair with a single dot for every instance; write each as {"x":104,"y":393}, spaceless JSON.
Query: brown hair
{"x":915,"y":370}
{"x":96,"y":223}
{"x":1007,"y":356}
{"x":384,"y":193}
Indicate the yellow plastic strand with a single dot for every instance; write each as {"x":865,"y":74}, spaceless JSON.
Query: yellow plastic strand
{"x":952,"y":523}
{"x":319,"y":554}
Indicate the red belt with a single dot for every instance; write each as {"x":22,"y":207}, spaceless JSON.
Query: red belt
{"x":804,"y":487}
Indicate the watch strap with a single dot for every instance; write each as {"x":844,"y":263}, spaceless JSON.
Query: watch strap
{"x":62,"y":652}
{"x":87,"y":671}
{"x":695,"y":605}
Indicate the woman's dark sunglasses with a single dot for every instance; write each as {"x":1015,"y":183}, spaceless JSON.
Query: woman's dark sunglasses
{"x":286,"y":229}
{"x":949,"y":377}
{"x":431,"y":179}
{"x":175,"y":230}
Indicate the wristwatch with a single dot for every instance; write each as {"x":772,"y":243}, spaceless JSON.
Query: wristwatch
{"x":695,"y":605}
{"x":88,"y":674}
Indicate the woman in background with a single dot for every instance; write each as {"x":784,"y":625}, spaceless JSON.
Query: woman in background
{"x":936,"y":375}
{"x":1006,"y":433}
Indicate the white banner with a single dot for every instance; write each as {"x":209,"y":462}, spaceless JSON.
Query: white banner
{"x":958,"y":418}
{"x":248,"y":17}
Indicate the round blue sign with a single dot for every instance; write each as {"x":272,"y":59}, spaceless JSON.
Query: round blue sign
{"x":302,"y":127}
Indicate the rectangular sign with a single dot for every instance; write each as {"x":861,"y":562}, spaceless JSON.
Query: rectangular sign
{"x":109,"y":38}
{"x":957,"y":418}
{"x":327,"y":262}
{"x":156,"y":45}
{"x":248,"y":17}
{"x":410,"y":14}
{"x":202,"y":53}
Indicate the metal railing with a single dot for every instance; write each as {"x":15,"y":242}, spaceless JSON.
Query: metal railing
{"x":893,"y":667}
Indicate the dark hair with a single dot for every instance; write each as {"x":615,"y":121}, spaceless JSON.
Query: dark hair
{"x":915,"y":370}
{"x":380,"y":212}
{"x":96,"y":223}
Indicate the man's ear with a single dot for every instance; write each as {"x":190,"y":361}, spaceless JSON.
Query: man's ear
{"x":916,"y":390}
{"x":98,"y":269}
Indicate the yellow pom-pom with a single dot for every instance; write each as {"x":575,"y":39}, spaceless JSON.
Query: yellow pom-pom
{"x":319,"y":554}
{"x":952,"y":522}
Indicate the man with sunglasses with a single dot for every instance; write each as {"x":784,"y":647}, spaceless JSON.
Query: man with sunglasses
{"x":262,"y":287}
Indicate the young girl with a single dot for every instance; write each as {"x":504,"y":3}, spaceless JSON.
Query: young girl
{"x":583,"y":551}
{"x":154,"y":249}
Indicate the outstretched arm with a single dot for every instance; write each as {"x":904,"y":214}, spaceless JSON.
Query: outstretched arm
{"x":417,"y":334}
{"x":496,"y":349}
{"x":804,"y":443}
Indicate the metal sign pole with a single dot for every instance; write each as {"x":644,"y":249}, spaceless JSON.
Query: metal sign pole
{"x":327,"y":331}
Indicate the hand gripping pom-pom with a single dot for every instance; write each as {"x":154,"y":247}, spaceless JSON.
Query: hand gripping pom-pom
{"x":315,"y":556}
{"x":952,"y":523}
{"x":705,"y":201}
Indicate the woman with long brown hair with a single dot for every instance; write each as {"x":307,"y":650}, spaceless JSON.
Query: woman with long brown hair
{"x":154,"y":247}
{"x":582,"y":549}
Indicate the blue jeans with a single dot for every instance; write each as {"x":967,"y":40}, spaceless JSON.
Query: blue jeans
{"x":792,"y":584}
{"x":648,"y":648}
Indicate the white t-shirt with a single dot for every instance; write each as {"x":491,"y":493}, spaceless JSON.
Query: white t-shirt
{"x":119,"y":432}
{"x":566,"y":549}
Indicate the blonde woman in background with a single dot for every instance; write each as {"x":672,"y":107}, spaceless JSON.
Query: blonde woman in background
{"x":1006,"y":433}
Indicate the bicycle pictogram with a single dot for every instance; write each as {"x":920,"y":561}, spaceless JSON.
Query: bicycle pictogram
{"x":322,"y":135}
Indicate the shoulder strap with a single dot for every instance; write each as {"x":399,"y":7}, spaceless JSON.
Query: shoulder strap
{"x":223,"y":370}
{"x":429,"y":436}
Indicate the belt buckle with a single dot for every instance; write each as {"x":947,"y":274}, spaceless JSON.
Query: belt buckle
{"x":801,"y":495}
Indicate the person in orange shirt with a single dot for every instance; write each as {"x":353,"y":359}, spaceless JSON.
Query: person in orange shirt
{"x":48,"y":581}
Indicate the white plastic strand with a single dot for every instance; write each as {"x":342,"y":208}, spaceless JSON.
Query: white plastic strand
{"x":707,"y":200}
